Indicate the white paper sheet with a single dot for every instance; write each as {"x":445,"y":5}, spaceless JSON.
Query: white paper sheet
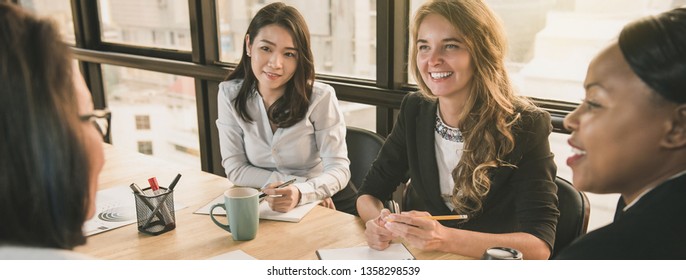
{"x":397,"y":251}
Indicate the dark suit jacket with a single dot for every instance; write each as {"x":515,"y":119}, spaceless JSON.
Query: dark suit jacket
{"x":652,"y":229}
{"x":521,"y":199}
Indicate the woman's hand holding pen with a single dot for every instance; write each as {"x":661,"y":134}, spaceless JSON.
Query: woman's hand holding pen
{"x":419,"y":232}
{"x":378,"y":237}
{"x":282,"y":199}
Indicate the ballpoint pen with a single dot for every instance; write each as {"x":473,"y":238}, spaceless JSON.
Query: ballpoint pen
{"x":173,"y":183}
{"x":171,"y":187}
{"x":162,"y":201}
{"x":136,"y":189}
{"x":291,"y":181}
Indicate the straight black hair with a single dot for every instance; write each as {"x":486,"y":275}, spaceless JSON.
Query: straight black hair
{"x":292,"y":106}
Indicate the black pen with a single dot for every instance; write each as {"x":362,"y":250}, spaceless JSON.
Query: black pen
{"x":291,"y":181}
{"x":173,"y":183}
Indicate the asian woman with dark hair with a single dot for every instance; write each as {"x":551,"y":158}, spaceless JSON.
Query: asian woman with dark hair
{"x":277,"y":123}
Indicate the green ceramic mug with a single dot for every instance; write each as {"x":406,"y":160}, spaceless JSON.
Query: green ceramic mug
{"x":242,"y":210}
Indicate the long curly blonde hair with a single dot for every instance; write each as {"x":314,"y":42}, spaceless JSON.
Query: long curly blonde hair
{"x":492,"y":109}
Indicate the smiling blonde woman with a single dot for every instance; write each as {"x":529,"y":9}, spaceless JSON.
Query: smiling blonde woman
{"x":469,"y":144}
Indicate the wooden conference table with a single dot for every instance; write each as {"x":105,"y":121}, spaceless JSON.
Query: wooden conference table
{"x":197,"y":237}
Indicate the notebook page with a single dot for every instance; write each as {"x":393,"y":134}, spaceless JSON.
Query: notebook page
{"x":294,"y":215}
{"x":397,"y":251}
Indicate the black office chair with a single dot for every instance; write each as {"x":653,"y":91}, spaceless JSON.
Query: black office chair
{"x":363,"y":147}
{"x":574,"y":215}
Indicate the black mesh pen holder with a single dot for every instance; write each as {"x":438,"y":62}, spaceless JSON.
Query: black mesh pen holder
{"x":155,"y":211}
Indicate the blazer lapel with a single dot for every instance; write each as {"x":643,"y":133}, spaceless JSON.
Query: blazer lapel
{"x":426,"y":155}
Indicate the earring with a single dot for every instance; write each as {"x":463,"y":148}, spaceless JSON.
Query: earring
{"x":247,"y":53}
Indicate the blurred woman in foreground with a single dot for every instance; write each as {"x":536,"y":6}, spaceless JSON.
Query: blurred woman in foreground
{"x":629,"y":137}
{"x":51,"y":153}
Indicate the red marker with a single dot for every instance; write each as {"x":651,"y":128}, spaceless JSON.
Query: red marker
{"x":153,"y":184}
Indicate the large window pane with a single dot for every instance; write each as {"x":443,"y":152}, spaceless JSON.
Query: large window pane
{"x":160,"y":24}
{"x":552,"y":42}
{"x":58,"y":10}
{"x":153,"y":113}
{"x":343,"y":33}
{"x":359,"y":115}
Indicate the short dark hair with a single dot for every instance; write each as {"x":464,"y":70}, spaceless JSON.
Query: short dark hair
{"x":655,"y":48}
{"x":44,"y":182}
{"x":293,"y":105}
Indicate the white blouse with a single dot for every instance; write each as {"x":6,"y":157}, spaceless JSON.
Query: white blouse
{"x":448,"y":146}
{"x":313,"y":151}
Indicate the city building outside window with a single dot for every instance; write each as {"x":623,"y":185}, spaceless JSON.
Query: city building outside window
{"x":142,"y":122}
{"x":343,"y":33}
{"x":145,"y":147}
{"x":163,"y":107}
{"x":146,"y":23}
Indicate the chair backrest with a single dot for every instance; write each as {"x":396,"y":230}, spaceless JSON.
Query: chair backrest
{"x":574,"y":214}
{"x":363,"y":147}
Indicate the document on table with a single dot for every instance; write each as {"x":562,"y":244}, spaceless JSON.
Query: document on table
{"x":266,"y":213}
{"x":294,"y":215}
{"x":397,"y":251}
{"x":233,"y":255}
{"x":114,"y":207}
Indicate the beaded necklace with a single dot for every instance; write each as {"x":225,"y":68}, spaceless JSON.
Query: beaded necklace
{"x":446,"y":132}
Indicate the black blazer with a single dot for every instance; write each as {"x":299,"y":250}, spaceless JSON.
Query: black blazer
{"x":521,"y":199}
{"x":652,"y":229}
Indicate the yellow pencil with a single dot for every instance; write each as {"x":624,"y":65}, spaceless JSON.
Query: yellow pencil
{"x":447,"y":217}
{"x":440,"y":218}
